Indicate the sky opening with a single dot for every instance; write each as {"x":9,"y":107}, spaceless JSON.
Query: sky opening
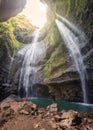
{"x":35,"y":11}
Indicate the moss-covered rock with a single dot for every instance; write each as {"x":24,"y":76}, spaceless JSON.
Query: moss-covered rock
{"x":80,"y":11}
{"x":7,"y":37}
{"x":56,"y":56}
{"x":14,"y":33}
{"x":23,"y":30}
{"x":9,"y":45}
{"x":8,"y":41}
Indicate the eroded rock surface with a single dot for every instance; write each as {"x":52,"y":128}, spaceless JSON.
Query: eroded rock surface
{"x":26,"y":115}
{"x":10,"y":8}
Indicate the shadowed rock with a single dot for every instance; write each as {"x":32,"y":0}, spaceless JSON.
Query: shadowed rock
{"x":10,"y":8}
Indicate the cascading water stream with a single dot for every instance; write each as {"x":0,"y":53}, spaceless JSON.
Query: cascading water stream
{"x":72,"y":43}
{"x":30,"y":67}
{"x":80,"y":35}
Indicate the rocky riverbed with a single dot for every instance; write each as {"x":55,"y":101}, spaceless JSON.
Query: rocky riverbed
{"x":26,"y":115}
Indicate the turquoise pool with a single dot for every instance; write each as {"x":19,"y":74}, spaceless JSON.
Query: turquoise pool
{"x":63,"y":105}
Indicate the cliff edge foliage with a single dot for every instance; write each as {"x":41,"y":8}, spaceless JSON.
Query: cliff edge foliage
{"x":14,"y":33}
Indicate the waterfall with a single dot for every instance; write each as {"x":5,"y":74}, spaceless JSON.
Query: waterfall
{"x":82,"y":40}
{"x":72,"y":41}
{"x":29,"y":74}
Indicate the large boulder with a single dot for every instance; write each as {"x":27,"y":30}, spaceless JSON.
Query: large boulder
{"x":9,"y":8}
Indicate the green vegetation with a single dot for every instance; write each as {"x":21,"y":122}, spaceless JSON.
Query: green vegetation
{"x":56,"y":56}
{"x":71,"y":7}
{"x":8,"y":42}
{"x":23,"y":30}
{"x":57,"y":63}
{"x":53,"y":35}
{"x":13,"y":33}
{"x":7,"y":37}
{"x":77,"y":10}
{"x":61,"y":6}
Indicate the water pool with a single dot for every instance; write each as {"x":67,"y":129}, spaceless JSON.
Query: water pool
{"x":63,"y":105}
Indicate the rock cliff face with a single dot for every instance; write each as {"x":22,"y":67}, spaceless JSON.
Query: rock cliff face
{"x":14,"y":34}
{"x":61,"y":79}
{"x":10,"y":8}
{"x":62,"y":82}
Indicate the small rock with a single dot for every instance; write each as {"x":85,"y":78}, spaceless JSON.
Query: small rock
{"x":53,"y":125}
{"x":8,"y":113}
{"x":89,"y":127}
{"x":52,"y":119}
{"x":24,"y":112}
{"x":52,"y":108}
{"x":4,"y":105}
{"x":34,"y":107}
{"x":41,"y":111}
{"x":58,"y":118}
{"x":64,"y":123}
{"x":27,"y":107}
{"x":70,"y":118}
{"x":40,"y":116}
{"x":5,"y":116}
{"x":89,"y":120}
{"x":3,"y":128}
{"x":70,"y":113}
{"x":37,"y":125}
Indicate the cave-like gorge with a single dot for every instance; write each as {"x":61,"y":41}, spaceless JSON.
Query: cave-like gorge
{"x":52,"y":62}
{"x":57,"y":64}
{"x":57,"y":59}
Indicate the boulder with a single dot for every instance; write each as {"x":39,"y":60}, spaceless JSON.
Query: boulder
{"x":6,"y":115}
{"x":70,"y":118}
{"x":24,"y":112}
{"x":53,"y":125}
{"x":34,"y":107}
{"x":52,"y":108}
{"x":10,"y":8}
{"x":4,"y":106}
{"x":58,"y":118}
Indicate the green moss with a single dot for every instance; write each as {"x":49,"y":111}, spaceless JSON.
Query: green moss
{"x":11,"y":30}
{"x":56,"y":56}
{"x":79,"y":11}
{"x":23,"y":30}
{"x":57,"y":63}
{"x":75,"y":10}
{"x":7,"y":37}
{"x":61,"y":7}
{"x":76,"y":6}
{"x":52,"y":35}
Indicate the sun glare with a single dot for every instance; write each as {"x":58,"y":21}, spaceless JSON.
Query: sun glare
{"x":35,"y":12}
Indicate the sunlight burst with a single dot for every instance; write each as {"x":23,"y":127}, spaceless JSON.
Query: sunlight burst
{"x":35,"y":12}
